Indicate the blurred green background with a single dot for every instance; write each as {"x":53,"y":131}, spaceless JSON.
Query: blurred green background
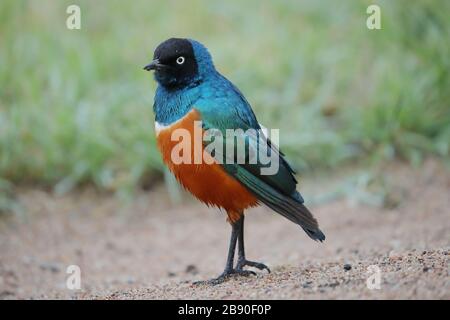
{"x":76,"y":106}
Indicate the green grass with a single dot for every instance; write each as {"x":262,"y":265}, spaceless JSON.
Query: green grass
{"x":76,"y":106}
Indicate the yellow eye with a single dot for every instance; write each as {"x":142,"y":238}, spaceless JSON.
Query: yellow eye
{"x":180,"y":60}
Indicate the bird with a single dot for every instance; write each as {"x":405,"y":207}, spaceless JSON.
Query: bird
{"x":192,"y":95}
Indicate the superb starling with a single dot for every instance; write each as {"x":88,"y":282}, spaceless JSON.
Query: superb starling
{"x":192,"y":95}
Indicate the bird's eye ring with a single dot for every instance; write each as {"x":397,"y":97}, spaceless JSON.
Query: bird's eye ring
{"x":180,"y":60}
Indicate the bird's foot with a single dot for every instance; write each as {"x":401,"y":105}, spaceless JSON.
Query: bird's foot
{"x":258,"y":265}
{"x":226,"y":275}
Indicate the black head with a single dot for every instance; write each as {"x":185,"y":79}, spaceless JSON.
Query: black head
{"x":174,"y":63}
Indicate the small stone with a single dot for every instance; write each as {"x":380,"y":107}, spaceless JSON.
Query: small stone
{"x":52,"y":267}
{"x":347,"y":267}
{"x":191,"y":269}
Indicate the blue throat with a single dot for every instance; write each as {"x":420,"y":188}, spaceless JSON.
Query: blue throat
{"x":171,"y":106}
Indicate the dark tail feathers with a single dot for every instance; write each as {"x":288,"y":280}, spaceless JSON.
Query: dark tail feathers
{"x":291,"y":207}
{"x":316,"y":235}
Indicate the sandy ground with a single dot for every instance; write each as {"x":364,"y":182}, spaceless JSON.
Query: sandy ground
{"x":152,"y":249}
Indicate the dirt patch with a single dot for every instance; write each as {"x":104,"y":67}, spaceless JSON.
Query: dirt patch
{"x":152,"y":249}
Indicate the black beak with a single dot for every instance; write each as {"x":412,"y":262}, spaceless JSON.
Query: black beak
{"x":152,"y":65}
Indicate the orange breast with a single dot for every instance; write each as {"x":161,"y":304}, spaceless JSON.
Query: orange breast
{"x":208,"y":182}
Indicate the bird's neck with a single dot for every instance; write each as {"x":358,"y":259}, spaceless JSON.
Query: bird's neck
{"x":172,"y":105}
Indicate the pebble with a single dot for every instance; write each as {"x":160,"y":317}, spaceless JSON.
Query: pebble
{"x":53,"y":267}
{"x":191,"y":269}
{"x":347,"y":267}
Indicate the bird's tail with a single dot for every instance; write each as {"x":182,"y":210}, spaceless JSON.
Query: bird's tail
{"x":291,"y":207}
{"x":298,"y":213}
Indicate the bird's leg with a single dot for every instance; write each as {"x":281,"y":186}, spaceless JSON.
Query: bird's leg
{"x":229,"y":270}
{"x":242,"y":261}
{"x":231,"y":249}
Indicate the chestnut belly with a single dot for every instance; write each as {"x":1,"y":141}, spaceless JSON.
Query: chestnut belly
{"x":208,"y":182}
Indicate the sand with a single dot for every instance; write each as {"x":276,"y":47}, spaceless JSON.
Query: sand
{"x":151,"y":248}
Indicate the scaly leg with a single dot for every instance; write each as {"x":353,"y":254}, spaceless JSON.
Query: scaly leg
{"x":242,"y":261}
{"x":229,"y":270}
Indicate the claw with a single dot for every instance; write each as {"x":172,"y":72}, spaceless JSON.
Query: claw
{"x":226,"y":275}
{"x":258,"y":265}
